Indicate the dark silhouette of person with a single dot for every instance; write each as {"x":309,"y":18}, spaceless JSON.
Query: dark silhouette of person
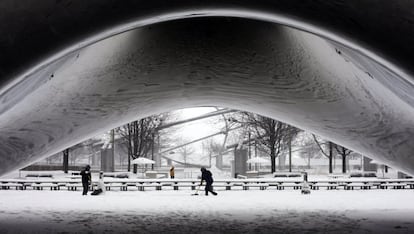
{"x":86,"y":179}
{"x":208,"y":178}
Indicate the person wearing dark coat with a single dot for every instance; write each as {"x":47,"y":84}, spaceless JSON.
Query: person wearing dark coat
{"x":208,"y":178}
{"x":86,"y":179}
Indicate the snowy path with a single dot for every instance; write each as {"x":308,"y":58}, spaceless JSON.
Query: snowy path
{"x":231,"y":212}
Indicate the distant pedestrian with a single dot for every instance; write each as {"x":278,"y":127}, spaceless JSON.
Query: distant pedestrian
{"x":208,"y":178}
{"x":86,"y":179}
{"x":172,"y":172}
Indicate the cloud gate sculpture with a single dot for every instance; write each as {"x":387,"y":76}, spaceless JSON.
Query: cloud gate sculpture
{"x":340,"y":69}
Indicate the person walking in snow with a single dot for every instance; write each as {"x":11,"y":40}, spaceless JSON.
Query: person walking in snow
{"x":208,"y":178}
{"x":172,"y":172}
{"x":86,"y":179}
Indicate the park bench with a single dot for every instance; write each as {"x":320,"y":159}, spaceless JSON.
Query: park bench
{"x":191,"y":185}
{"x":73,"y":186}
{"x":26,"y":185}
{"x":328,"y":186}
{"x":142,"y":186}
{"x":121,"y":185}
{"x":294,"y":185}
{"x":39,"y":176}
{"x":393,"y":185}
{"x":167,"y":184}
{"x":274,"y":184}
{"x":287,"y":175}
{"x":40,"y":186}
{"x":226,"y":185}
{"x":261,"y":186}
{"x":336,"y":176}
{"x":130,"y":185}
{"x":7,"y":186}
{"x":237,"y":185}
{"x":362,"y":186}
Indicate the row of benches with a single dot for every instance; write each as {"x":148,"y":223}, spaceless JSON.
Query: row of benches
{"x":227,"y":186}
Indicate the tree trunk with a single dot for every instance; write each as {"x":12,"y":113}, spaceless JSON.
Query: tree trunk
{"x":250,"y":154}
{"x":152,"y":150}
{"x":272,"y":141}
{"x":66,"y":161}
{"x":129,"y":147}
{"x":112,"y":142}
{"x":343,"y":164}
{"x":330,"y":158}
{"x":129,"y":161}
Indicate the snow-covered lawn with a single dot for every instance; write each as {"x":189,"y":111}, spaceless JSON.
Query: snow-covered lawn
{"x":271,"y":211}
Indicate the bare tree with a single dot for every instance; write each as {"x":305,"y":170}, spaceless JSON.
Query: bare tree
{"x":139,"y":136}
{"x":222,"y":149}
{"x":344,"y":152}
{"x":291,"y":134}
{"x":328,"y":154}
{"x":273,"y":134}
{"x":213,"y":149}
{"x":76,"y":153}
{"x":185,"y":152}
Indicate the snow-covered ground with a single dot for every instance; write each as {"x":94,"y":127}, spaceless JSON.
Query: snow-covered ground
{"x":270,"y":211}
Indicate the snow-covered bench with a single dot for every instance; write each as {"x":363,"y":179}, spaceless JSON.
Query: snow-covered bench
{"x":261,"y":186}
{"x":130,"y":185}
{"x":393,"y":185}
{"x":328,"y":186}
{"x":192,"y":186}
{"x":73,"y":186}
{"x":237,"y":185}
{"x":273,"y":184}
{"x":142,"y":186}
{"x":364,"y":186}
{"x":176,"y":185}
{"x":17,"y":186}
{"x":40,"y":186}
{"x":122,"y":186}
{"x":227,"y":186}
{"x":283,"y":185}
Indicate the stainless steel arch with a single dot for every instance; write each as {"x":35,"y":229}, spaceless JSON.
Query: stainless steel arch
{"x":358,"y":95}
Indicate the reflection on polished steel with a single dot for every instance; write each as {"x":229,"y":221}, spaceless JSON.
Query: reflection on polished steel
{"x":71,"y":69}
